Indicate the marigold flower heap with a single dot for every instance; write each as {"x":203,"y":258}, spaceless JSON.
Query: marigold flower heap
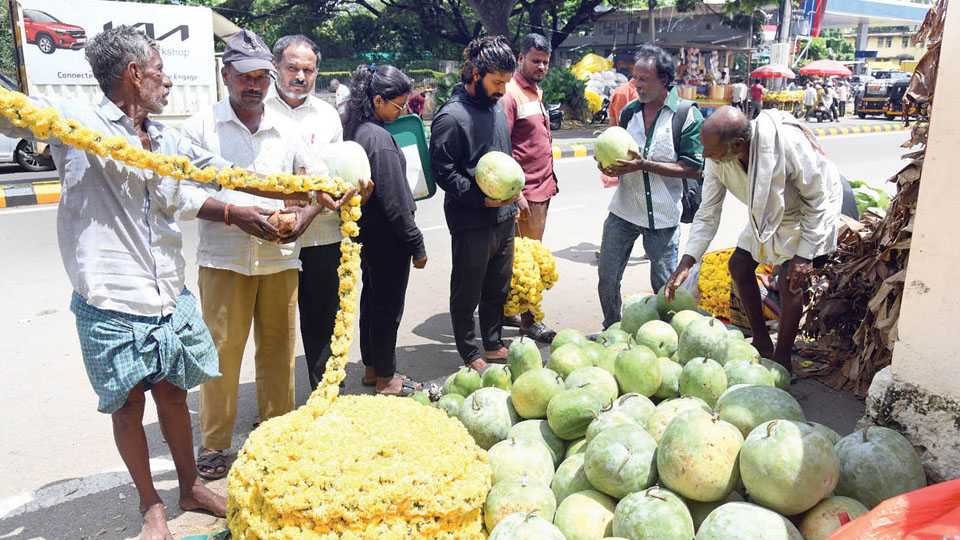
{"x":715,"y":282}
{"x":534,"y":271}
{"x":350,"y":468}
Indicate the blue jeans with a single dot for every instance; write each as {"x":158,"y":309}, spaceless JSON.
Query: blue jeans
{"x":619,"y":235}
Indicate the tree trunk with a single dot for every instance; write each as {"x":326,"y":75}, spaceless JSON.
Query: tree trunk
{"x":494,"y":15}
{"x":653,"y":21}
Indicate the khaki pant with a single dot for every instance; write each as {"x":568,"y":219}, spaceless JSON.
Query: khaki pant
{"x":533,"y":226}
{"x":230,"y":302}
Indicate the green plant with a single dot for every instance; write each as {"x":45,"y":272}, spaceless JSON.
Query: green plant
{"x":562,"y":86}
{"x":445,"y":84}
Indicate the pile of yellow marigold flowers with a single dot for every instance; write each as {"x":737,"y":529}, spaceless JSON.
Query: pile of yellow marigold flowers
{"x":338,"y":468}
{"x":534,"y":271}
{"x":715,"y":281}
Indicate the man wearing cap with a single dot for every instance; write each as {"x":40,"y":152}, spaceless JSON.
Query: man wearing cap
{"x":248,"y":275}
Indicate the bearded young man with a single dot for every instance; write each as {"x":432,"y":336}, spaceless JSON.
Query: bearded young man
{"x":470,"y":124}
{"x":532,"y":144}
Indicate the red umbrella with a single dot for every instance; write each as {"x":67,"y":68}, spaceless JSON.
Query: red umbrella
{"x":771,"y":71}
{"x":826,"y":67}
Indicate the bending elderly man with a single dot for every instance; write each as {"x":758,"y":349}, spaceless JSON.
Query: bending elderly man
{"x":793,"y":195}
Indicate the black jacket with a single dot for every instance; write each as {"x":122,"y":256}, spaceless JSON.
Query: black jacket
{"x":462,"y":132}
{"x":388,"y":215}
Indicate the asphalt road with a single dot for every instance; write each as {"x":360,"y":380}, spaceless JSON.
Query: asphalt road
{"x":61,"y":476}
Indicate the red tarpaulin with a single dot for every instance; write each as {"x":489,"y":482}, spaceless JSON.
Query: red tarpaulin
{"x":771,"y":71}
{"x":826,"y":67}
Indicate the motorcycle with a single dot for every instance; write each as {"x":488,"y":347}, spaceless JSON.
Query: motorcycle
{"x":556,"y":116}
{"x":600,"y":117}
{"x":822,"y":113}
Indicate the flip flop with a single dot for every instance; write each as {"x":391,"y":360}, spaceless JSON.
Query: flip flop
{"x":398,"y":375}
{"x":539,"y":332}
{"x":407,"y":387}
{"x":211,"y":460}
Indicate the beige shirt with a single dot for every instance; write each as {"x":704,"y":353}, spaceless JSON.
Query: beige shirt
{"x":269,"y":150}
{"x":318,"y":124}
{"x":807,"y":204}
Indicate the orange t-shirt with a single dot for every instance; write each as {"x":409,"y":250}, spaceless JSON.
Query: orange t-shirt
{"x":625,"y":93}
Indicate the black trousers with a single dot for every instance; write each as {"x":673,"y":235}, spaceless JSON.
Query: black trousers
{"x":318,"y":300}
{"x":385,"y":265}
{"x":482,"y":268}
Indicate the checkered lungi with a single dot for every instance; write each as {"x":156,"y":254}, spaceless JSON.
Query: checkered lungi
{"x":122,"y":350}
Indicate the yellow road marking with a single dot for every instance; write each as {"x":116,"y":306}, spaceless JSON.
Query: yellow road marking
{"x":47,"y":192}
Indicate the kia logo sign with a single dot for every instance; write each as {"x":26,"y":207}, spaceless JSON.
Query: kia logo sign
{"x":148,"y":29}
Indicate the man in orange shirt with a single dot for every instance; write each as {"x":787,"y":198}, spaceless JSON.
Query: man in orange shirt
{"x":625,"y":93}
{"x":532,"y":144}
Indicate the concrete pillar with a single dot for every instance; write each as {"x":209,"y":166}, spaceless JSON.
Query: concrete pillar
{"x":863,"y":31}
{"x":920,"y":393}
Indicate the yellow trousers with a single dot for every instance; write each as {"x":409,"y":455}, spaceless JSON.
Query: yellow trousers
{"x":230,"y":303}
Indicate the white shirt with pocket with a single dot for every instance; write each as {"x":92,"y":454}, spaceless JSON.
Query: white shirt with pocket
{"x":269,"y":150}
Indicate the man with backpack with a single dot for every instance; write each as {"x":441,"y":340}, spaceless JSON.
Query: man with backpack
{"x":649,"y":200}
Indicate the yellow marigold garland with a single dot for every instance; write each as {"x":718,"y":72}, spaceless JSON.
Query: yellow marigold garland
{"x":45,"y":123}
{"x":354,"y":468}
{"x":534,"y":271}
{"x":714,"y":282}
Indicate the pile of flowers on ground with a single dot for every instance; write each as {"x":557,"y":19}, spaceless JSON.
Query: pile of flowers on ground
{"x":350,"y":468}
{"x":534,"y":271}
{"x":715,"y":281}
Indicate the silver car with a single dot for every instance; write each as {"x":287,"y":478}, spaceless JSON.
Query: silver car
{"x":20,"y":151}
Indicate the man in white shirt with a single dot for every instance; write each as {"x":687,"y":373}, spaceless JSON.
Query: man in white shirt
{"x":647,"y":202}
{"x":247,"y":278}
{"x":809,"y":100}
{"x":739,"y":97}
{"x":793,"y":195}
{"x":342,"y":97}
{"x":843,"y":94}
{"x":296,"y":59}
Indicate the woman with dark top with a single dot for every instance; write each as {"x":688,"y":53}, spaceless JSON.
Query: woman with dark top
{"x":390,"y":237}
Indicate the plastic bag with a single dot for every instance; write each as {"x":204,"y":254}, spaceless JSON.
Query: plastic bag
{"x":931,"y":513}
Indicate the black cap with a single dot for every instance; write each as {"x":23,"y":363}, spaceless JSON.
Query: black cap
{"x":246,"y":52}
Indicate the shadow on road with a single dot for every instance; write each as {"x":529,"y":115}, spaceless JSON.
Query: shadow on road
{"x":587,"y":253}
{"x":110,"y":514}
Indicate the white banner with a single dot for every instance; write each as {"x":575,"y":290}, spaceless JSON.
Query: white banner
{"x":56,"y":31}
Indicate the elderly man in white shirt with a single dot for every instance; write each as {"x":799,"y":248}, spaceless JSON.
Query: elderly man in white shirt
{"x":318,"y":123}
{"x":247,"y":278}
{"x":793,"y":195}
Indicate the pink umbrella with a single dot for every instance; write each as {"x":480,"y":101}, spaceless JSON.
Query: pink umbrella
{"x":826,"y":68}
{"x":771,"y":71}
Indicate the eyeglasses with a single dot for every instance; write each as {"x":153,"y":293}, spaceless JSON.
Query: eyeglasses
{"x":399,"y":107}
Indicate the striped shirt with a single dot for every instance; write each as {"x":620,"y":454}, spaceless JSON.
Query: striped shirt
{"x":650,"y":200}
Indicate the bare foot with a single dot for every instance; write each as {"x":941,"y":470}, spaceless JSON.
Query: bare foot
{"x":155,"y":523}
{"x":199,"y":497}
{"x":478,"y":364}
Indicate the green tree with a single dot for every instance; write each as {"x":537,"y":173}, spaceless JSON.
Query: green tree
{"x":8,"y":62}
